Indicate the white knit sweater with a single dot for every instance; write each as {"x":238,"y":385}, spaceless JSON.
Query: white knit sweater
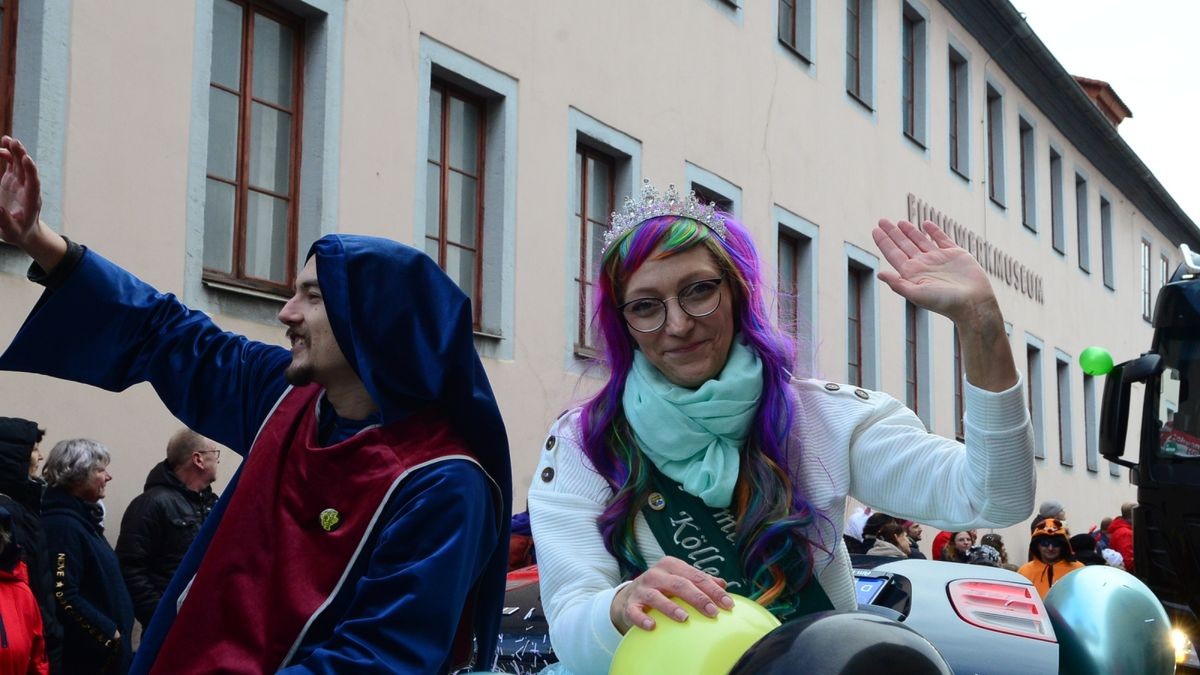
{"x":867,"y":445}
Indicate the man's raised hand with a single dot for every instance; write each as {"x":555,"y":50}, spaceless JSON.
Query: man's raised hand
{"x":21,"y":204}
{"x":20,"y":193}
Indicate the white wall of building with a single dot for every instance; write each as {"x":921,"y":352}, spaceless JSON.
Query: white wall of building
{"x":701,"y":83}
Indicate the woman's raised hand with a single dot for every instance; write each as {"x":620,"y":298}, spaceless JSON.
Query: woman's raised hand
{"x":931,"y":271}
{"x":667,"y":578}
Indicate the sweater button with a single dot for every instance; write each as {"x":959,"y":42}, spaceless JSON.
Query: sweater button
{"x":547,"y":474}
{"x":861,"y":393}
{"x":831,"y":386}
{"x":550,"y":442}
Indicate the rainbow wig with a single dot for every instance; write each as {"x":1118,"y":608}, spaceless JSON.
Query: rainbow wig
{"x":775,"y":555}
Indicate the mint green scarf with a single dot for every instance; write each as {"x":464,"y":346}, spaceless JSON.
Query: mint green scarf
{"x":694,"y":435}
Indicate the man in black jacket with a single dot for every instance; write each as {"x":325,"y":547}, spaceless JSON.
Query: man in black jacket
{"x":161,"y":523}
{"x":21,"y":493}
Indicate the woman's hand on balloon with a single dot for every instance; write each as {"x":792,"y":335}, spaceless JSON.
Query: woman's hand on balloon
{"x":668,"y":578}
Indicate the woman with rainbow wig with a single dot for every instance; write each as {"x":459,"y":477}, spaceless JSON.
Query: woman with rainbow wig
{"x":702,"y":467}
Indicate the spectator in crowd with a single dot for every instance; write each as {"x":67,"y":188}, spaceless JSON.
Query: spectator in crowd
{"x":1048,"y":509}
{"x":871,"y":529}
{"x":890,"y":541}
{"x":21,"y":494}
{"x":853,"y":534}
{"x":1051,"y":556}
{"x":93,"y":605}
{"x":1052,"y":509}
{"x":956,"y":548}
{"x":939,"y":543}
{"x":1100,"y":534}
{"x":22,"y":643}
{"x":994,"y":540}
{"x":160,"y":524}
{"x":1120,"y":535}
{"x":1112,"y":558}
{"x":982,"y":554}
{"x":912,"y":530}
{"x":1084,"y":548}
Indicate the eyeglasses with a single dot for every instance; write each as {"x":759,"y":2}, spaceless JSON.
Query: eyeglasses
{"x":697,"y":300}
{"x":217,"y":451}
{"x":1050,"y":543}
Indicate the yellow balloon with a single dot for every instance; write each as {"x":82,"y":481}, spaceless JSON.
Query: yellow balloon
{"x":699,"y":646}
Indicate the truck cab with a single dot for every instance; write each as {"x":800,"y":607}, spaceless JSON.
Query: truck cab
{"x":1165,"y":461}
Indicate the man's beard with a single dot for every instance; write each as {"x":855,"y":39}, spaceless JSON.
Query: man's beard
{"x":298,"y":375}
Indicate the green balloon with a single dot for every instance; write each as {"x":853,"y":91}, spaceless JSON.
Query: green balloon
{"x":1096,"y":361}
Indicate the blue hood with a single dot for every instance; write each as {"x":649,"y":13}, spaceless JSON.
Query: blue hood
{"x":406,"y":329}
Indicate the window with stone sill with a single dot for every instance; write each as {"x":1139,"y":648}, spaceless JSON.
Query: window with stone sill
{"x":253,"y":170}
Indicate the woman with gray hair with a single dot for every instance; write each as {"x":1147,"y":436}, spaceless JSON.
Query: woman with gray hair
{"x":92,"y":602}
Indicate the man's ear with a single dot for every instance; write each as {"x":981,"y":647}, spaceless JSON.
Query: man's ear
{"x":198,"y":460}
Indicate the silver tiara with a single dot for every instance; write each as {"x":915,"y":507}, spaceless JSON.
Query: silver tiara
{"x":652,"y":205}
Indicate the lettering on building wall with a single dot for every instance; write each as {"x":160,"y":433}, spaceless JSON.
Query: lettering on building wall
{"x":995,"y":261}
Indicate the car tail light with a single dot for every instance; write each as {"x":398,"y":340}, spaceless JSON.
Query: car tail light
{"x":1001,"y":606}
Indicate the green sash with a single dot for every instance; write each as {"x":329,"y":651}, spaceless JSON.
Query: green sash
{"x":696,"y":533}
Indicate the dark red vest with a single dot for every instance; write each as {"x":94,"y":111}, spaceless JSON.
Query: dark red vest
{"x":278,"y":554}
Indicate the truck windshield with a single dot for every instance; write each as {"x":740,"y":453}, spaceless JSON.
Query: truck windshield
{"x":1179,"y":395}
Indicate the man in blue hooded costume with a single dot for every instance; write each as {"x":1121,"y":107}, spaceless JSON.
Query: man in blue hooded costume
{"x":367,"y":528}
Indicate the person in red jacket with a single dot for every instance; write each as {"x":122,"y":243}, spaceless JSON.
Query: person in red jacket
{"x":1120,"y":535}
{"x":22,"y":644}
{"x":939,"y":543}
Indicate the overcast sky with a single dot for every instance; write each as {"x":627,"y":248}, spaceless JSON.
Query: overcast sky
{"x":1147,"y":50}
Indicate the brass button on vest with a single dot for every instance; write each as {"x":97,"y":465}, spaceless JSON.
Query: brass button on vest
{"x":330,"y":519}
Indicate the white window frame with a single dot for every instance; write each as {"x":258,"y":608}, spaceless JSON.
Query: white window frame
{"x":806,"y":34}
{"x":924,"y":362}
{"x":1146,"y":257}
{"x":710,"y":181}
{"x":962,"y":87}
{"x":41,"y":81}
{"x":500,"y":170}
{"x":626,"y":152}
{"x":1027,"y":144}
{"x":919,"y":13}
{"x":1058,"y":226}
{"x":866,"y":55}
{"x":1036,"y":393}
{"x":317,"y":207}
{"x":1083,"y":221}
{"x":1106,"y":242}
{"x":1091,"y":424}
{"x":869,"y":317}
{"x":808,"y":331}
{"x":993,"y":143}
{"x":1063,"y":399}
